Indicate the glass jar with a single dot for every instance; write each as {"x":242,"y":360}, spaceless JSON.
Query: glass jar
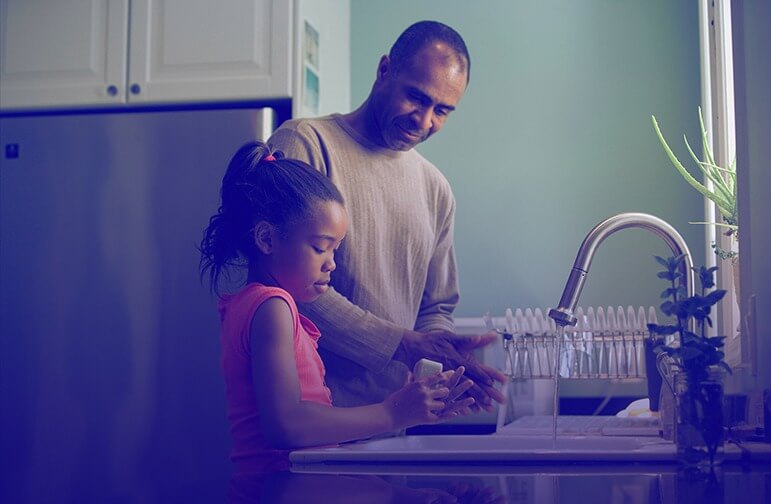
{"x":699,"y":417}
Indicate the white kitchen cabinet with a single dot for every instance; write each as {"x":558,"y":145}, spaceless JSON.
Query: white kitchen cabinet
{"x":191,"y":50}
{"x":62,"y":53}
{"x":105,"y":52}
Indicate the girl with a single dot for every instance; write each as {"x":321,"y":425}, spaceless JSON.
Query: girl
{"x":283,"y":221}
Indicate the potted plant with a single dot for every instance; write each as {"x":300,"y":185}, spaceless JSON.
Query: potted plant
{"x":722,"y":192}
{"x":723,"y":189}
{"x":697,"y":362}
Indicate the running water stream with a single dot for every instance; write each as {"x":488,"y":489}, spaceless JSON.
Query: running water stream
{"x":557,"y":352}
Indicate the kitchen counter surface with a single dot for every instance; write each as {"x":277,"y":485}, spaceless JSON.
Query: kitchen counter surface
{"x":511,"y":467}
{"x":521,"y":484}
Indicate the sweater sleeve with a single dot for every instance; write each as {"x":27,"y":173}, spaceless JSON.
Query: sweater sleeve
{"x":352,"y":332}
{"x":347,"y":329}
{"x":441,"y":293}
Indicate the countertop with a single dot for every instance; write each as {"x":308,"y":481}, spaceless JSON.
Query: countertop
{"x":521,"y":484}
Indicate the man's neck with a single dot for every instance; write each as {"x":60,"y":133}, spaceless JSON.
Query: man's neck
{"x":363,"y":122}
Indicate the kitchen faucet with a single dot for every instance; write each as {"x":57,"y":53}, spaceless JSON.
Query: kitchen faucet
{"x":563,"y":314}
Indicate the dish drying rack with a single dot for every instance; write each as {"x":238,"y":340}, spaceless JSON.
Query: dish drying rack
{"x":606,"y":343}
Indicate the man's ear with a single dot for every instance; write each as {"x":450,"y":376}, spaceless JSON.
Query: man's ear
{"x":383,"y":67}
{"x":264,"y":236}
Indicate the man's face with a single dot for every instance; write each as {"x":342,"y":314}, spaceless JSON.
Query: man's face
{"x":412,"y":103}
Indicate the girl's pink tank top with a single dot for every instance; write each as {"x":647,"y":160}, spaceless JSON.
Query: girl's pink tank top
{"x":251,"y":452}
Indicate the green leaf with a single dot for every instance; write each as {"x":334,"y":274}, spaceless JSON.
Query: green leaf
{"x":716,"y":341}
{"x":704,"y":139}
{"x":689,"y":337}
{"x":663,"y":330}
{"x":666,"y":275}
{"x":721,"y":190}
{"x":706,"y":276}
{"x":721,"y":196}
{"x":715,"y":296}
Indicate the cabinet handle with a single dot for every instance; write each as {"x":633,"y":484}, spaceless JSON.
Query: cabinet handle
{"x":112,"y":90}
{"x":135,"y":89}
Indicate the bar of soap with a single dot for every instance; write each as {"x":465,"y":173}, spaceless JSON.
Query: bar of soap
{"x":426,"y":367}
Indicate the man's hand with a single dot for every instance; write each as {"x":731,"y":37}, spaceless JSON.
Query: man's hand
{"x":454,"y":351}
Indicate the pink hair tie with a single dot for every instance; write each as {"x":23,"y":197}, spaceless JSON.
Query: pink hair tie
{"x":269,"y":157}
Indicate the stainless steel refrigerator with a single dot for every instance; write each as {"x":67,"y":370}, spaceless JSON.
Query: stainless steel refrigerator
{"x":110,"y":386}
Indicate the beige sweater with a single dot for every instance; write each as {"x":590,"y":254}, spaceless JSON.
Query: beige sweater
{"x":396,"y":266}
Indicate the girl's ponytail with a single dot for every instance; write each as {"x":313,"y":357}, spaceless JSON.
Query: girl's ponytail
{"x":218,"y":249}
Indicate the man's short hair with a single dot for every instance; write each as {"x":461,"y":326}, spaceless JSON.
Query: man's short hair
{"x":420,"y":34}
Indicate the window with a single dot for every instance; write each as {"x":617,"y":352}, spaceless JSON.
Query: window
{"x":717,"y":78}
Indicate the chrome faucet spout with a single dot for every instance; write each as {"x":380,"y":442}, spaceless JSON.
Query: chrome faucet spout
{"x":563,"y":314}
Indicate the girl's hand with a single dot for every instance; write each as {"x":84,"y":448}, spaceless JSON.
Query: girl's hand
{"x":453,"y":350}
{"x":417,"y":402}
{"x":429,"y":399}
{"x":457,"y":385}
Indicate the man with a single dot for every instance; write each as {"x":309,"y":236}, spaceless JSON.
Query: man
{"x":395,"y":286}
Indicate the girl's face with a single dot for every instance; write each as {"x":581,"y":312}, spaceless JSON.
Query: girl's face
{"x":303,"y":256}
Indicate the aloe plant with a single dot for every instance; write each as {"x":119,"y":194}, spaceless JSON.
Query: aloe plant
{"x":723,"y":190}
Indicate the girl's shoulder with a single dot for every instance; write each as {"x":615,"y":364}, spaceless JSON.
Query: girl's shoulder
{"x":246,"y":301}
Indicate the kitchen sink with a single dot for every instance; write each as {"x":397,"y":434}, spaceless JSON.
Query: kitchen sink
{"x":494,"y":448}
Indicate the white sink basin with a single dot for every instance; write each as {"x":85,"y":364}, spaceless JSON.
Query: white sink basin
{"x":499,"y":443}
{"x":491,"y":448}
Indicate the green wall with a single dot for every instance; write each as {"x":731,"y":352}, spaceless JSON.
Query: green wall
{"x":554,"y":135}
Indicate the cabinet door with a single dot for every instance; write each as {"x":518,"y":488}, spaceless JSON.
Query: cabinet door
{"x":56,"y":53}
{"x":193,"y":50}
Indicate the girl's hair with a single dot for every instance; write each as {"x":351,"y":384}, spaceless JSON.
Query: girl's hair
{"x":259,"y":184}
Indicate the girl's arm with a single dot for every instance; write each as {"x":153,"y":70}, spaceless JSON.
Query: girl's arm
{"x":289,"y":422}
